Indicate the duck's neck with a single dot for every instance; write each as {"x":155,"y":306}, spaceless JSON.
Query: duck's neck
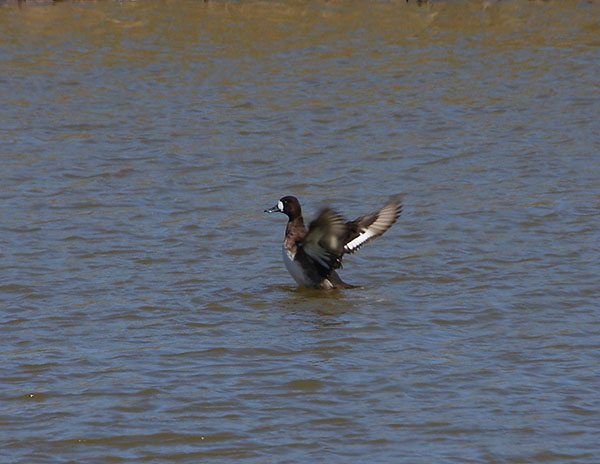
{"x":295,"y":228}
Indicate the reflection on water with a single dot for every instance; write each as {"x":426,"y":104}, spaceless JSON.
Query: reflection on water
{"x":146,"y":313}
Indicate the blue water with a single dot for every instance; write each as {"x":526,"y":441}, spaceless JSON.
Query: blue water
{"x":146,"y":313}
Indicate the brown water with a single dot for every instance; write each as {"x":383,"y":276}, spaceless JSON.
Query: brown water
{"x":146,"y":315}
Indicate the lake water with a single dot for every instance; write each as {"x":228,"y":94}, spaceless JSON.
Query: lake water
{"x":146,"y":314}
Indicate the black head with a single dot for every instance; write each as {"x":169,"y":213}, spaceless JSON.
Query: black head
{"x":288,"y":205}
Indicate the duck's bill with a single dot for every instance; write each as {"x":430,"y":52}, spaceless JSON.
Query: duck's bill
{"x":274,"y":209}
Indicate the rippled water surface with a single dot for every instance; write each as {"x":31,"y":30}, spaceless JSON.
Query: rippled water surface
{"x":146,"y":315}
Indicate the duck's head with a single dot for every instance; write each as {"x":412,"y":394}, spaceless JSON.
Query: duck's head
{"x":287,"y":205}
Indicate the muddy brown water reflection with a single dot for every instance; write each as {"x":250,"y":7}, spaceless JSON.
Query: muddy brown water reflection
{"x":146,"y":315}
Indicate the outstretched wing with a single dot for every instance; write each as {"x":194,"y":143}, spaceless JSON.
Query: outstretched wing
{"x":367,"y":228}
{"x":324,"y":242}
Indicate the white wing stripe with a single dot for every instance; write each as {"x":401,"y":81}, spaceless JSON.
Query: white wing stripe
{"x":385,"y":218}
{"x":358,"y":241}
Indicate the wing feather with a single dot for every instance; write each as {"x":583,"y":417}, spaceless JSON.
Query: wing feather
{"x":324,"y":242}
{"x":366,"y":228}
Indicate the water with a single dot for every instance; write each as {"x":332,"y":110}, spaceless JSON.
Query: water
{"x":146,"y":313}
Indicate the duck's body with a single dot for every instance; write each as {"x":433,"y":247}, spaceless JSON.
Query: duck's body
{"x":312,"y":256}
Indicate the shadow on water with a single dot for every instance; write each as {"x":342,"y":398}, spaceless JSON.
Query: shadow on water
{"x":304,"y":301}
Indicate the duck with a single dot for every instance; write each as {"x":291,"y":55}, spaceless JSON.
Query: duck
{"x":312,"y":255}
